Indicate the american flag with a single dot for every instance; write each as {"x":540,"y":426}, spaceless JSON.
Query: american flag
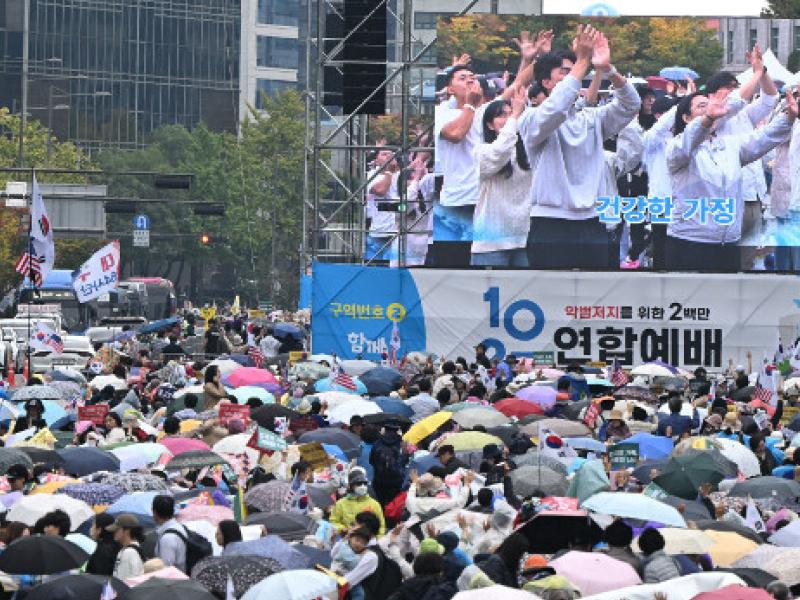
{"x":763,"y":394}
{"x":256,"y":354}
{"x":618,"y":376}
{"x":339,"y":377}
{"x":30,"y":268}
{"x":45,"y":338}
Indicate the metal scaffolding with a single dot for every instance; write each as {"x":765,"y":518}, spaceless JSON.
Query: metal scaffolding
{"x":334,"y":215}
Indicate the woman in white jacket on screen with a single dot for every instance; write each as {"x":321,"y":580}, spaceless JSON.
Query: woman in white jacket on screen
{"x":502,"y":215}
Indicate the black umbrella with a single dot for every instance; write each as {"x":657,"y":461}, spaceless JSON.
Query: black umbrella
{"x":794,"y":424}
{"x":683,"y":475}
{"x":321,"y":494}
{"x":752,"y":577}
{"x":42,"y":456}
{"x":766,"y":487}
{"x":742,"y":530}
{"x":85,"y":460}
{"x":573,"y":410}
{"x":381,"y":380}
{"x":642,"y":470}
{"x":691,"y":509}
{"x":41,"y":555}
{"x":528,"y":419}
{"x":316,"y":556}
{"x":244,"y":571}
{"x":157,"y":588}
{"x":744,"y":394}
{"x":290,"y":527}
{"x":196,"y":459}
{"x":728,"y":467}
{"x":381,"y":418}
{"x":13,"y":456}
{"x":551,"y":531}
{"x":265,"y":415}
{"x":75,"y":587}
{"x":504,"y":432}
{"x":349,"y":442}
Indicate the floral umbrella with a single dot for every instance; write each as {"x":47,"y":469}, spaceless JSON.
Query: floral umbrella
{"x":244,"y":571}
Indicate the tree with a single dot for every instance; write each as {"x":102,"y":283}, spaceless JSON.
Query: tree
{"x":793,"y":61}
{"x":13,"y":231}
{"x":782,"y":9}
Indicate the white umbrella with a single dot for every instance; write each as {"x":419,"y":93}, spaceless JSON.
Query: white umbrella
{"x":30,"y":509}
{"x":192,"y":389}
{"x":788,"y":536}
{"x":226,"y":366}
{"x":652,"y":370}
{"x":334,"y":399}
{"x":102,"y":381}
{"x":471,"y":417}
{"x":237,"y":443}
{"x":741,"y":455}
{"x":355,"y":368}
{"x":792,"y":385}
{"x":344,"y":412}
{"x":682,"y":541}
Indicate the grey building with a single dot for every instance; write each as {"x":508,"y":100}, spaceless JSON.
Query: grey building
{"x":739,"y":35}
{"x":106,"y":73}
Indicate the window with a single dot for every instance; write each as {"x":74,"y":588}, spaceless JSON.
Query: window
{"x":730,"y":46}
{"x":427,"y":20}
{"x":753,"y":39}
{"x":494,"y":7}
{"x":281,"y":53}
{"x":797,"y":37}
{"x":270,"y":87}
{"x":773,"y":41}
{"x":278,"y":12}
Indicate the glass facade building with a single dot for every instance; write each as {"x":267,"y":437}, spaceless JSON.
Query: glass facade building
{"x":108,"y":72}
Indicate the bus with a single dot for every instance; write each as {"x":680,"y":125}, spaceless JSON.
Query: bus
{"x":162,"y":303}
{"x":57,"y":290}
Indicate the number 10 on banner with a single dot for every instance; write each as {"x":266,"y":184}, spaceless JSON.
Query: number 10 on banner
{"x":521,"y":308}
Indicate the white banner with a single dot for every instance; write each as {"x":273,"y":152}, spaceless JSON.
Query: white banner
{"x":686,"y":320}
{"x":99,"y":274}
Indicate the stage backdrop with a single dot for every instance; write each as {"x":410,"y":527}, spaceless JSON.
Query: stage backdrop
{"x":687,"y":320}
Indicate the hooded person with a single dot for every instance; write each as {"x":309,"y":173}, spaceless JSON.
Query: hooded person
{"x":500,"y":525}
{"x":424,"y":497}
{"x":389,"y":460}
{"x":343,"y":515}
{"x":454,"y":559}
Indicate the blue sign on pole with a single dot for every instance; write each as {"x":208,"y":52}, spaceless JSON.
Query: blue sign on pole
{"x":141,"y":222}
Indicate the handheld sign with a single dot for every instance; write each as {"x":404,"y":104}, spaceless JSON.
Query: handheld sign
{"x":267,"y":442}
{"x":623,"y":456}
{"x":96,"y":413}
{"x":229,"y":412}
{"x":315,"y":455}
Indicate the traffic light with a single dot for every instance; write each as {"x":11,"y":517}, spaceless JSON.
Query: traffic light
{"x":205,"y":239}
{"x":208,"y":240}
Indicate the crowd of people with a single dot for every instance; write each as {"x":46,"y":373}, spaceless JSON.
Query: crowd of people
{"x":425,"y":479}
{"x":526,"y":165}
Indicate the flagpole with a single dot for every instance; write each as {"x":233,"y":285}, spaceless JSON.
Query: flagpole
{"x":31,"y":278}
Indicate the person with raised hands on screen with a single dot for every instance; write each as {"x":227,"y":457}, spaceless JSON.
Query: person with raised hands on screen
{"x":564,"y":144}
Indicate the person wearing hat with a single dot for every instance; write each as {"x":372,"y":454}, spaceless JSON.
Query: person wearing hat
{"x":496,"y":468}
{"x":447,"y":456}
{"x":343,"y":515}
{"x":17,"y":477}
{"x":128,"y":533}
{"x":424,"y":498}
{"x":304,"y":423}
{"x":617,"y":429}
{"x":104,"y":557}
{"x":712,"y":424}
{"x":505,"y":370}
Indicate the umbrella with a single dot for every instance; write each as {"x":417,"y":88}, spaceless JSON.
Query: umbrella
{"x":66,"y":374}
{"x":651,"y":446}
{"x":479,"y":416}
{"x":589,"y":479}
{"x":634,"y":506}
{"x":728,"y":526}
{"x":472,"y":440}
{"x":154,"y":326}
{"x":137,"y":482}
{"x":560,"y":427}
{"x":636,"y":393}
{"x":269,"y":496}
{"x":289,"y":526}
{"x":422,"y":429}
{"x":85,"y":460}
{"x":504,"y":432}
{"x":244,"y":571}
{"x":287,"y":330}
{"x":654,"y":369}
{"x":550,"y":531}
{"x":766,"y":487}
{"x":349,"y":442}
{"x":787,"y":536}
{"x":588,"y":444}
{"x":181,"y":445}
{"x":677,"y":73}
{"x":682,"y":541}
{"x":727,"y":466}
{"x":542,"y":395}
{"x":135,"y":503}
{"x":303,"y":584}
{"x":333,"y":399}
{"x":67,"y":389}
{"x":233,"y":444}
{"x":75,"y":587}
{"x":533,"y":458}
{"x":315,"y":556}
{"x":271,"y":547}
{"x":752,"y":577}
{"x":729,"y":547}
{"x":381,"y":418}
{"x":203,"y":512}
{"x":515,"y":407}
{"x":326,"y":385}
{"x":41,"y":555}
{"x":381,"y":380}
{"x":250,"y":375}
{"x":36,"y":392}
{"x":321,"y":494}
{"x":102,"y":381}
{"x":393,"y":405}
{"x":499,"y":592}
{"x":265,"y":415}
{"x":139,"y":454}
{"x":528,"y":480}
{"x":573,"y":410}
{"x":243,"y":394}
{"x":683,"y":475}
{"x":196,"y":459}
{"x":30,"y":509}
{"x":741,"y":455}
{"x":42,"y":456}
{"x":786,"y":566}
{"x":243,"y":360}
{"x":308,"y":370}
{"x":14,"y":456}
{"x":226,"y":366}
{"x":459,"y":406}
{"x":345,"y":412}
{"x":357,"y":367}
{"x":734,"y":591}
{"x":94,"y":494}
{"x":595,"y":572}
{"x":157,"y":588}
{"x":690,"y":509}
{"x":759,"y":557}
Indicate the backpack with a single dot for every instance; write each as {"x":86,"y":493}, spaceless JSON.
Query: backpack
{"x":388,"y":462}
{"x":386,"y":578}
{"x":197,"y":547}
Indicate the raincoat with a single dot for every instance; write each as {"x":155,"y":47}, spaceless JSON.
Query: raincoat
{"x":344,"y":512}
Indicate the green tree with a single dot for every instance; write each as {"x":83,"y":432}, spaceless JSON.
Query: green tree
{"x":782,"y":9}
